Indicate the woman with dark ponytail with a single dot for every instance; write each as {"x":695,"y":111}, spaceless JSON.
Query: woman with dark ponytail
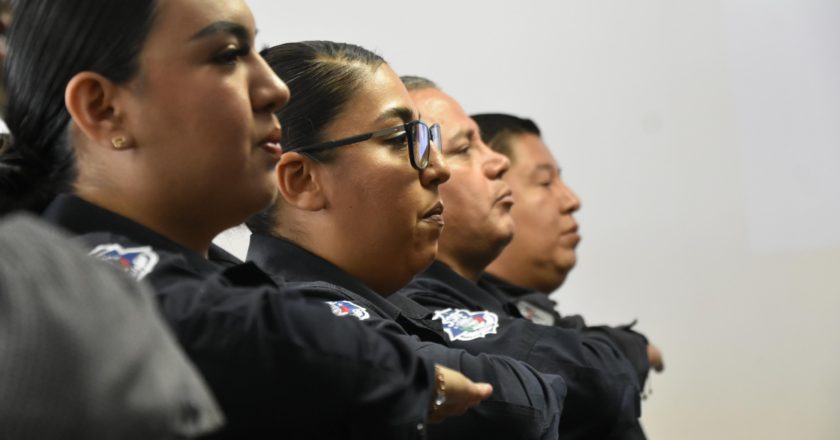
{"x":146,"y":127}
{"x":38,"y":162}
{"x":359,"y":215}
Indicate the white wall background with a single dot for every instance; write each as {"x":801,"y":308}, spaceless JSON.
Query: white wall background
{"x":704,"y":139}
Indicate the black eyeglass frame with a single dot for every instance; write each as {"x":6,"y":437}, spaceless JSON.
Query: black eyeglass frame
{"x":407,"y":127}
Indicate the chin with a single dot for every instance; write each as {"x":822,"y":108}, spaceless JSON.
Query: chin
{"x":505,"y":235}
{"x":423,"y":260}
{"x":565,"y":261}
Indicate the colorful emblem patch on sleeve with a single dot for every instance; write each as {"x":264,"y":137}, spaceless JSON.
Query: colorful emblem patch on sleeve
{"x":534,"y":313}
{"x":137,"y":261}
{"x":464,"y":325}
{"x":347,"y":308}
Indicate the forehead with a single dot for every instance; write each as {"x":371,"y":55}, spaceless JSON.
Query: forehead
{"x":438,"y":107}
{"x":529,"y":150}
{"x":177,"y":21}
{"x":381,"y":92}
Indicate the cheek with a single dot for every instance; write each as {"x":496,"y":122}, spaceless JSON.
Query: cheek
{"x":538,"y":210}
{"x":376,"y":196}
{"x":466,"y":192}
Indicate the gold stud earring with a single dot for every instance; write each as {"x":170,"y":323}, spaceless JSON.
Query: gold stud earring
{"x":119,"y":142}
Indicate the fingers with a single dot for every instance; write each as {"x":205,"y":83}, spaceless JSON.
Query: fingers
{"x":461,"y":395}
{"x":655,"y":358}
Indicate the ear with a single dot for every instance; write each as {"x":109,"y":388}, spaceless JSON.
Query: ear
{"x":91,"y":101}
{"x":299,"y":182}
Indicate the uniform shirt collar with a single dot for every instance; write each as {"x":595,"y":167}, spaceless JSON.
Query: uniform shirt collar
{"x":509,"y":289}
{"x":293,"y":263}
{"x":466,"y":289}
{"x":82,"y":217}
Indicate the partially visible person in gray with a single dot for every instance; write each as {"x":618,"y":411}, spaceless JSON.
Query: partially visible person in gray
{"x":83,"y":352}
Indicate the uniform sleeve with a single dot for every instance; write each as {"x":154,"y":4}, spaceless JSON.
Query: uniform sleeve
{"x":525,"y":404}
{"x":633,"y":346}
{"x":283,"y":366}
{"x":603,"y":389}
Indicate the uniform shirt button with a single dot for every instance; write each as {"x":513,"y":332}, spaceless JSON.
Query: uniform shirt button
{"x":421,"y":426}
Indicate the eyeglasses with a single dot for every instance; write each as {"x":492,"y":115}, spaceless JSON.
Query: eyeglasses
{"x":417,"y":132}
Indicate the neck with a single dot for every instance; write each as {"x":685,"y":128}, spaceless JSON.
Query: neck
{"x":463,"y":266}
{"x":524,"y":278}
{"x":171,"y":224}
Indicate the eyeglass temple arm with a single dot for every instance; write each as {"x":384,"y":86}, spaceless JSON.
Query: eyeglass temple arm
{"x":347,"y":141}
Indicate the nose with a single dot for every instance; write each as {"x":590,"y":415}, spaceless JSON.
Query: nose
{"x":268,"y":92}
{"x":495,"y":164}
{"x":437,"y":172}
{"x":569,"y":200}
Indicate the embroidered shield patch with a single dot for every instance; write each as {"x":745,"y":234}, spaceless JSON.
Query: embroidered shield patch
{"x":464,"y":325}
{"x":534,"y":313}
{"x":347,"y":308}
{"x":137,"y":261}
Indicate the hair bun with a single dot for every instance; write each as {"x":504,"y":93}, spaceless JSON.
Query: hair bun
{"x":27,"y":182}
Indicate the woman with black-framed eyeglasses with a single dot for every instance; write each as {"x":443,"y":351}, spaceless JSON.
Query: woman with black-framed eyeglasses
{"x":358,"y":132}
{"x":419,"y":137}
{"x":359,"y":215}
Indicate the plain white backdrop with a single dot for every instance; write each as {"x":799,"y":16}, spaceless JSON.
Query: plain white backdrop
{"x":703,"y":139}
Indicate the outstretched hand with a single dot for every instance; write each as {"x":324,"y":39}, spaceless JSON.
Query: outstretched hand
{"x":461,"y":394}
{"x":655,"y":358}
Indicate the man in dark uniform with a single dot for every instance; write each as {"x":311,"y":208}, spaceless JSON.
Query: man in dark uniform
{"x":279,"y":365}
{"x":478,"y":226}
{"x":542,"y":252}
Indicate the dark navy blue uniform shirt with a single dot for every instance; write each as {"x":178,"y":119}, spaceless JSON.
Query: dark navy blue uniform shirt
{"x":281,"y":366}
{"x":603,"y":398}
{"x":537,"y":307}
{"x":525,"y":404}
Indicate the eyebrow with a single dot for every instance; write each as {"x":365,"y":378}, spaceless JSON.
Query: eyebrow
{"x":468,"y":133}
{"x":404,"y":113}
{"x":547,"y":167}
{"x":222,"y":27}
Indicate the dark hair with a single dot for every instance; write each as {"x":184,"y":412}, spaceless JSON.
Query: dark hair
{"x":497,"y":129}
{"x":412,"y":82}
{"x":322,"y":76}
{"x":49,"y":43}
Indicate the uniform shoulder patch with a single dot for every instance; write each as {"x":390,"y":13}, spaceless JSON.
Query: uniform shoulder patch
{"x":137,"y":261}
{"x":465,"y":325}
{"x":347,"y":308}
{"x":534,"y":314}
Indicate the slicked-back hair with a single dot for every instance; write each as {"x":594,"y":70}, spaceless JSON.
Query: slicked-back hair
{"x":50,"y":42}
{"x":412,"y":82}
{"x":497,"y":130}
{"x":323,"y":77}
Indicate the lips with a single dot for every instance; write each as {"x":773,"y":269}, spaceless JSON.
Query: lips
{"x":506,"y":198}
{"x":572,"y":235}
{"x":271,"y":142}
{"x":434,"y":214}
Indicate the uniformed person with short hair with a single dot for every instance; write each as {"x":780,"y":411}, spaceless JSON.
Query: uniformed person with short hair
{"x":604,"y":386}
